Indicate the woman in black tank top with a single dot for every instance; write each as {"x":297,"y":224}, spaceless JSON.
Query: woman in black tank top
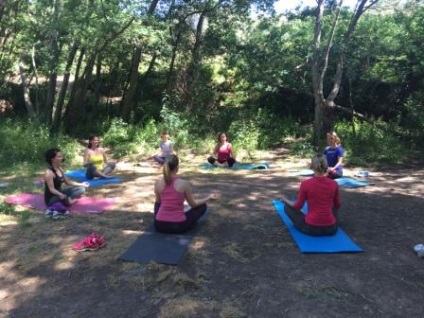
{"x":54,"y":177}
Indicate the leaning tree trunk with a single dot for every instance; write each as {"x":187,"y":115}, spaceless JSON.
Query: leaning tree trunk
{"x":64,"y":87}
{"x":129,"y":96}
{"x":77,"y":110}
{"x":27,"y":98}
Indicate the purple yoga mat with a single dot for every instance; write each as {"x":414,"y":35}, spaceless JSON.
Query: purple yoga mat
{"x":83,"y":205}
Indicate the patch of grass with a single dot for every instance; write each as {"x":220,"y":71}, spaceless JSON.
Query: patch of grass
{"x":230,"y":310}
{"x":182,"y":308}
{"x":322,"y":291}
{"x":184,"y":281}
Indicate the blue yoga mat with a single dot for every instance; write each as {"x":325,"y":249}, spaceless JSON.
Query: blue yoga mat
{"x":346,"y":182}
{"x":239,"y":166}
{"x":79,"y":175}
{"x":338,"y":243}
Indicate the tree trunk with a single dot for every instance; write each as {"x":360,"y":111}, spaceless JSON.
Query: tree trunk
{"x":64,"y":87}
{"x":128,"y":98}
{"x":320,"y":64}
{"x":74,"y":90}
{"x":98,"y":87}
{"x":54,"y":47}
{"x":28,"y":104}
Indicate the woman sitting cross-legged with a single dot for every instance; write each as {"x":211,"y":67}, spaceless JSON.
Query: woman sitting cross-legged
{"x":223,"y":153}
{"x":55,"y":198}
{"x":95,"y":160}
{"x":334,"y":153}
{"x":171,"y":192}
{"x":322,"y":195}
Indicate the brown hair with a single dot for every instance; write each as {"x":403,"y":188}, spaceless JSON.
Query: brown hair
{"x":335,"y":136}
{"x":170,"y":165}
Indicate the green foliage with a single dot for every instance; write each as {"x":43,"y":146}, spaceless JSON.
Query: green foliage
{"x":366,"y":143}
{"x":175,"y":123}
{"x":302,"y":148}
{"x":26,"y":141}
{"x":128,"y":139}
{"x":265,"y":131}
{"x":6,"y":209}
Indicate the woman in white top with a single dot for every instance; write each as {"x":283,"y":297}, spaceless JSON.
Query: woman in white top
{"x":166,"y":148}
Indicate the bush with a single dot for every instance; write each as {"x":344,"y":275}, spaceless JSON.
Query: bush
{"x":27,"y":141}
{"x":366,"y":143}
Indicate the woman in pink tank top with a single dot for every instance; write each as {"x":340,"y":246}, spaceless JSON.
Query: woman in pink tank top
{"x":171,"y":192}
{"x":223,"y":153}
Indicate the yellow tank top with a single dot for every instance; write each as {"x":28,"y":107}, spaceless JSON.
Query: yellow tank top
{"x":96,"y":160}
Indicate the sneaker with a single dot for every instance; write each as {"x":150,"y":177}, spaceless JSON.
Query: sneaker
{"x":48,"y":213}
{"x":87,"y":244}
{"x":99,"y":239}
{"x":91,"y":243}
{"x":56,"y":215}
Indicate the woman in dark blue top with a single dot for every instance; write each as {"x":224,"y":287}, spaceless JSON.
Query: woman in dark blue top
{"x":334,"y":154}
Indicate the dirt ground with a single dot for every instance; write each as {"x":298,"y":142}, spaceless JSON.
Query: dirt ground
{"x":242,"y":263}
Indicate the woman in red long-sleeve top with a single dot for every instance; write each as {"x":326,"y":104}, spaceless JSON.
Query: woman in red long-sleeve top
{"x":322,"y":195}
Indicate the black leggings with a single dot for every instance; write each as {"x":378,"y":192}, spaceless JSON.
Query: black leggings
{"x":192,"y":216}
{"x":231,"y":161}
{"x":298,"y":219}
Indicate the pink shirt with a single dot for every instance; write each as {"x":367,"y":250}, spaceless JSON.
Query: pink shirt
{"x":172,"y":204}
{"x":322,"y":195}
{"x":224,"y":152}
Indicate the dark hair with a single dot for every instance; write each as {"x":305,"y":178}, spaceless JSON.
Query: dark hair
{"x":171,"y":163}
{"x":51,"y":154}
{"x":220,"y":134}
{"x":90,"y":139}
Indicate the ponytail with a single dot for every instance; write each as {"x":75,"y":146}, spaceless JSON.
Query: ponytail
{"x":170,"y":165}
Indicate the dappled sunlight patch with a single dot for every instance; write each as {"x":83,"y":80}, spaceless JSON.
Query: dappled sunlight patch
{"x":7,"y":220}
{"x":183,"y":307}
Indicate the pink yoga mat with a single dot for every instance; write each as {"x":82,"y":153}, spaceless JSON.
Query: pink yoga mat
{"x":83,"y":205}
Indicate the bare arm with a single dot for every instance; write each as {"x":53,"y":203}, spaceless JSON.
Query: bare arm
{"x":105,"y":161}
{"x":230,"y":147}
{"x":190,"y":199}
{"x":85,"y":161}
{"x":157,"y":194}
{"x":48,"y":179}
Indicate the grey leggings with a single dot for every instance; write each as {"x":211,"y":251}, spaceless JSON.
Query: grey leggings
{"x":298,"y":219}
{"x":73,"y":193}
{"x":89,"y":173}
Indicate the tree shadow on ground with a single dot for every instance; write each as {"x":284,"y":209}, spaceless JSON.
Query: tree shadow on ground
{"x":242,"y":263}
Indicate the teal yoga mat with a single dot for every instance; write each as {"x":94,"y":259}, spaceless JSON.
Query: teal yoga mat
{"x":346,"y":182}
{"x":239,"y":166}
{"x":338,"y":243}
{"x":79,"y":175}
